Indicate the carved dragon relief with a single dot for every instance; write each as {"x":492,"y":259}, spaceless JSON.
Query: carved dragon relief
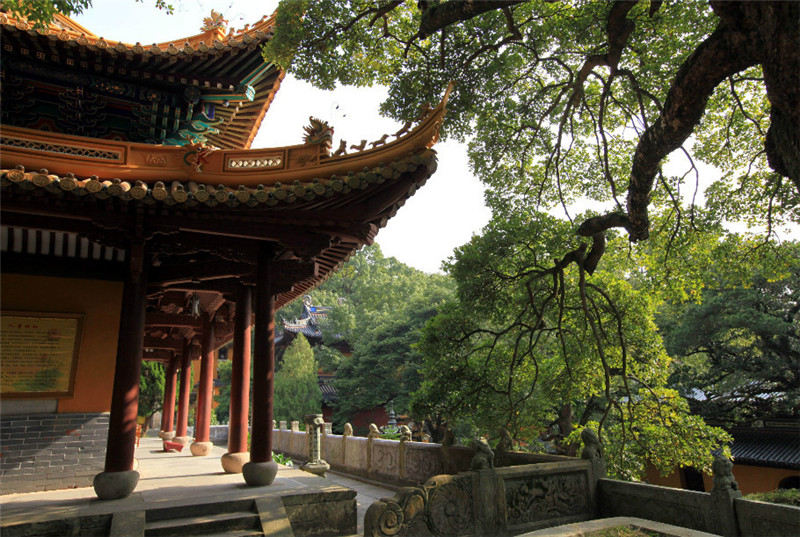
{"x":442,"y":506}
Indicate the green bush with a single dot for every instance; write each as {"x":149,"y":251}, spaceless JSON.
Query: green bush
{"x":784,"y":496}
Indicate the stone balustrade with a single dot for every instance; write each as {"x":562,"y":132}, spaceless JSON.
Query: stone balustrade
{"x":390,"y":461}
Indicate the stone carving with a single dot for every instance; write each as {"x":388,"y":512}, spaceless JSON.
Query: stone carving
{"x":442,"y":506}
{"x":374,"y":432}
{"x":421,"y":463}
{"x":405,"y":433}
{"x":385,"y":458}
{"x":591,"y":445}
{"x":538,"y":498}
{"x":348,"y":429}
{"x":722,"y":469}
{"x":484,"y":456}
{"x":449,"y":438}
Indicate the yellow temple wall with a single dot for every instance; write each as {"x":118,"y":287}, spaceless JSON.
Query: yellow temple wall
{"x":751,"y":479}
{"x":100,"y":302}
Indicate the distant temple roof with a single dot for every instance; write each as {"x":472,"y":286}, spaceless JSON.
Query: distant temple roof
{"x":766,"y":447}
{"x":307,"y":324}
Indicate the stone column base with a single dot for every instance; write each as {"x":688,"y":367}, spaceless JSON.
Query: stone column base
{"x":316,"y":467}
{"x":182,"y":440}
{"x":201,"y":449}
{"x":232,"y":462}
{"x":115,"y":485}
{"x":259,"y":474}
{"x":166,"y":435}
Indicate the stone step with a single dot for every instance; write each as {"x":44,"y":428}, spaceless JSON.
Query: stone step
{"x":199,"y":509}
{"x":238,"y":533}
{"x":204,"y":524}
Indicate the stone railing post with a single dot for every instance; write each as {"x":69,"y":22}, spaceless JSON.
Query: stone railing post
{"x":295,"y":428}
{"x":314,"y":427}
{"x":348,"y":432}
{"x":593,"y":452}
{"x":723,"y":494}
{"x":374,"y":433}
{"x":405,"y":436}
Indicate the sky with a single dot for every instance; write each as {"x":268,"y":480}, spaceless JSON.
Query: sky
{"x":441,"y":216}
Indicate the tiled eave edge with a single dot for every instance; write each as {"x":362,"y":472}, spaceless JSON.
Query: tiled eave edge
{"x":259,"y":33}
{"x":193,"y":194}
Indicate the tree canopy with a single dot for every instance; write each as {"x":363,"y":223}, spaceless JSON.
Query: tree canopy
{"x":572,"y":109}
{"x":296,"y":388}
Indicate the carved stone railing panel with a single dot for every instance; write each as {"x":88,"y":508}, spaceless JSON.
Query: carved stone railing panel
{"x":385,"y":458}
{"x":333,"y":449}
{"x":422,"y":461}
{"x":547,"y":500}
{"x":686,"y":508}
{"x":442,"y":506}
{"x":356,"y":453}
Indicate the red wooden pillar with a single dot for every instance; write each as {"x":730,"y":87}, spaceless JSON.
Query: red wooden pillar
{"x":118,"y":480}
{"x":205,"y":394}
{"x":264,"y":361}
{"x":261,"y":469}
{"x":183,"y":397}
{"x":168,"y":406}
{"x":240,"y":372}
{"x":237,"y":455}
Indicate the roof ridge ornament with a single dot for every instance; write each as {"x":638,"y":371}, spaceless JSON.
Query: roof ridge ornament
{"x":215,"y":21}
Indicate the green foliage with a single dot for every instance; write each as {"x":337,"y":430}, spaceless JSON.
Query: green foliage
{"x":529,"y":335}
{"x":223,"y":396}
{"x":296,"y":386}
{"x":40,"y":13}
{"x":782,"y":496}
{"x":738,"y":351}
{"x":280,"y":458}
{"x":151,"y":388}
{"x":380,"y":306}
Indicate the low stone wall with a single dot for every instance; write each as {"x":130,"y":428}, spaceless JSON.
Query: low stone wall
{"x":760,"y":518}
{"x":390,"y":461}
{"x":500,"y":501}
{"x":722,"y":514}
{"x":51,"y":451}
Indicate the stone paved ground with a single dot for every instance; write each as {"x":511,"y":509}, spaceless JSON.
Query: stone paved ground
{"x":167,"y":478}
{"x":367,"y":493}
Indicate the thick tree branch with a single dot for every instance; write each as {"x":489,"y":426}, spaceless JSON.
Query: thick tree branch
{"x":436,"y":16}
{"x":725,"y":52}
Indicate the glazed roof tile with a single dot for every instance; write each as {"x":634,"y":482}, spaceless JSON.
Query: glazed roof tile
{"x":766,"y":447}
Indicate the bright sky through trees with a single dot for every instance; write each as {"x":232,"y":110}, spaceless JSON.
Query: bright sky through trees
{"x":441,"y":216}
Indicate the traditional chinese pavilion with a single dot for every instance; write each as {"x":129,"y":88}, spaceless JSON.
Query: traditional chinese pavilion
{"x":138,"y":224}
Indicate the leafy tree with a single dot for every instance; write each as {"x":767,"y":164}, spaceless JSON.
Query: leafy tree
{"x":567,"y":105}
{"x":380,"y":306}
{"x":385,"y":364}
{"x":42,"y":12}
{"x":223,"y":396}
{"x":296,"y":387}
{"x":584,"y":100}
{"x":738,"y":351}
{"x":151,"y":389}
{"x":530,"y":341}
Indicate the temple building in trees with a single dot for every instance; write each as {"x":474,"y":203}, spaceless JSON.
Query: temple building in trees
{"x":139,"y":224}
